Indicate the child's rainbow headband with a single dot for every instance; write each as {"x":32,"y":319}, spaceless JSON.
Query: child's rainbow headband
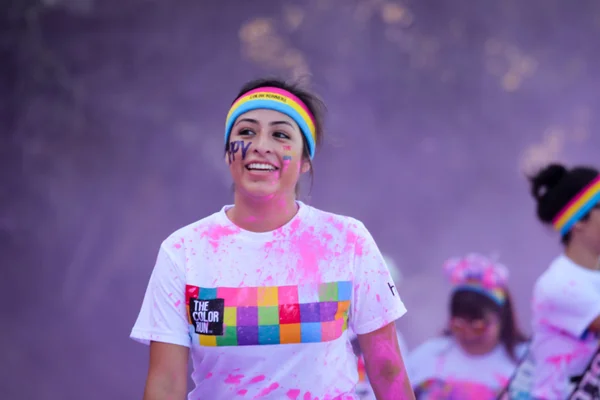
{"x":578,"y":207}
{"x":479,"y":274}
{"x":276,"y":99}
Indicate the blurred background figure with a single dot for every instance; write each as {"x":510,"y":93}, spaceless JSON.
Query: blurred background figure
{"x":483,"y":344}
{"x":566,"y":297}
{"x":111,"y":115}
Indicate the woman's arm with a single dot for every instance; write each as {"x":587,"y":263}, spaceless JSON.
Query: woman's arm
{"x":384,"y":364}
{"x":168,"y":371}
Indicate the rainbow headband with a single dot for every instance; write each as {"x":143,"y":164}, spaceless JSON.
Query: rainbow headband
{"x":276,"y":99}
{"x":578,"y":207}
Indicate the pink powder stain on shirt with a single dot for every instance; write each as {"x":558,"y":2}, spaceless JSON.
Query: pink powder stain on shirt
{"x":242,"y":392}
{"x":293,"y":394}
{"x":257,"y":379}
{"x":268,"y":390}
{"x":307,"y":396}
{"x":234,"y":379}
{"x":378,"y":298}
{"x":208,"y":375}
{"x":310,"y":250}
{"x":336,"y":223}
{"x":216,"y":233}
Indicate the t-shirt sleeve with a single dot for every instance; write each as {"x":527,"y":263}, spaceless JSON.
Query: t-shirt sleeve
{"x":570,"y":306}
{"x":162,"y":317}
{"x":376,"y":301}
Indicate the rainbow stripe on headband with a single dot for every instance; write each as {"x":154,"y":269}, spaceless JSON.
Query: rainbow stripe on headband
{"x":578,"y":207}
{"x":276,"y":99}
{"x":497,"y":294}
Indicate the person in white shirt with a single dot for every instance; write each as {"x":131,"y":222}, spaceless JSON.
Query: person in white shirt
{"x":483,"y":344}
{"x":262,"y":294}
{"x":566,"y":297}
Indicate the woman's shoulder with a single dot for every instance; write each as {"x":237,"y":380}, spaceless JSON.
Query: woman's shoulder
{"x":198,"y":229}
{"x":339,"y":221}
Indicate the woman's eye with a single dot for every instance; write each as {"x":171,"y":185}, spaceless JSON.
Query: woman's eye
{"x":281,"y":135}
{"x":245,"y":132}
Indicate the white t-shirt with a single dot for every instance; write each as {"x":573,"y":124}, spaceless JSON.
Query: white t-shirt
{"x":441,"y":369}
{"x":566,"y":299}
{"x":272,"y":308}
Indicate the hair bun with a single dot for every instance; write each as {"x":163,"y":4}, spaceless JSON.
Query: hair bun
{"x":546,"y":179}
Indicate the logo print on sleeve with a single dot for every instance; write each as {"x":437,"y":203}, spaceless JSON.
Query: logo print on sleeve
{"x":268,"y":315}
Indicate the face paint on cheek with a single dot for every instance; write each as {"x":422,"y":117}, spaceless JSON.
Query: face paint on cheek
{"x":235,"y":146}
{"x":287,"y":156}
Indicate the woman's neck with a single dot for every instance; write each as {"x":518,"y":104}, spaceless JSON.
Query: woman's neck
{"x":262,"y":215}
{"x":582,"y":256}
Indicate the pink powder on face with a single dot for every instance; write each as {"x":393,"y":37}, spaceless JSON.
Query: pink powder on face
{"x":268,"y":390}
{"x":234,"y":379}
{"x":293,"y":394}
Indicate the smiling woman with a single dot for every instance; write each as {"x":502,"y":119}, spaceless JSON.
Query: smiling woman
{"x":262,"y":293}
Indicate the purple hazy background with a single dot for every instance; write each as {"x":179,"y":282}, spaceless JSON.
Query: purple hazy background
{"x":112,"y":116}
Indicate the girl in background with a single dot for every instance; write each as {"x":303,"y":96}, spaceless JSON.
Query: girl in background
{"x":483,"y":344}
{"x":566,"y":297}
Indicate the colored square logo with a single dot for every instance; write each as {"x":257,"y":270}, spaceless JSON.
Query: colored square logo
{"x":290,"y":333}
{"x":229,"y":337}
{"x":344,"y":291}
{"x":328,"y":291}
{"x":310,"y":312}
{"x":229,"y":295}
{"x":331,"y":330}
{"x":268,"y":334}
{"x":247,"y":335}
{"x":246,"y":296}
{"x":310,"y":332}
{"x":342,"y":309}
{"x":327,"y":311}
{"x":207,"y":293}
{"x":287,"y":294}
{"x":247,"y":316}
{"x":268,"y":296}
{"x":308,"y":293}
{"x":230,"y":316}
{"x":191,"y":292}
{"x":289,"y":314}
{"x":268,"y":315}
{"x":209,"y":341}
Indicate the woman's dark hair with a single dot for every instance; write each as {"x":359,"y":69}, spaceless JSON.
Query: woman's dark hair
{"x":555,"y":186}
{"x":472,"y":305}
{"x":312,"y":101}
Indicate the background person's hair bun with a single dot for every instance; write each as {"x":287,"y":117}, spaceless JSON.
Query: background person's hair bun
{"x":546,"y":179}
